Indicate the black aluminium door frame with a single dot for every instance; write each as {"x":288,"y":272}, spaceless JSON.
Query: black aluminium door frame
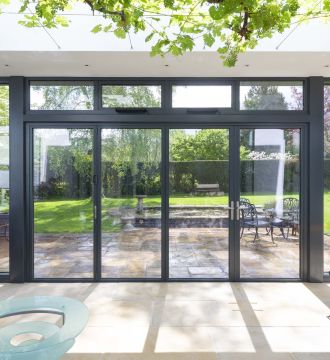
{"x":97,"y":128}
{"x":303,"y":200}
{"x":234,"y":195}
{"x":29,"y":263}
{"x":234,"y":129}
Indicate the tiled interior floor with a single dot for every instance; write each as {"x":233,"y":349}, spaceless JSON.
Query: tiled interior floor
{"x":196,"y":321}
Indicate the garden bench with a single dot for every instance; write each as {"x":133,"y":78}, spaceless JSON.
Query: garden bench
{"x":207,"y":188}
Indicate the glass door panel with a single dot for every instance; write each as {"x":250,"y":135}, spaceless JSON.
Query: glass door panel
{"x":63,"y":203}
{"x":131,"y":203}
{"x":4,"y":179}
{"x":326,"y":196}
{"x":269,"y":203}
{"x":198,"y":203}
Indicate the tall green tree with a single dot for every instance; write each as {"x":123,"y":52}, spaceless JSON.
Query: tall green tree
{"x":265,"y":97}
{"x":327,"y":121}
{"x":176,"y":26}
{"x":4,"y":105}
{"x":131,"y":96}
{"x":206,"y":144}
{"x":59,"y":97}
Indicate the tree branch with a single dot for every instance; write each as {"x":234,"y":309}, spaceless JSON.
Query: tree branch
{"x":105,"y":11}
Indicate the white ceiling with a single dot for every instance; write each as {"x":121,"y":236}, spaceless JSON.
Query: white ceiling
{"x":303,"y":50}
{"x":140,"y":64}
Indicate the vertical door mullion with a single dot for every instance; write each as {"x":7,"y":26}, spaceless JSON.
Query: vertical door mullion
{"x":165,"y":203}
{"x":97,"y":203}
{"x":304,"y":201}
{"x":30,"y":205}
{"x":234,"y":182}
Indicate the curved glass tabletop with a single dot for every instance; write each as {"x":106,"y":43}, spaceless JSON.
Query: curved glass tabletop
{"x":55,"y":340}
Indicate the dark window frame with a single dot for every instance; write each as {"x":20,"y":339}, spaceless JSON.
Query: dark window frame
{"x":21,"y":117}
{"x":305,"y":89}
{"x":4,"y":276}
{"x":203,"y":82}
{"x":28,"y":85}
{"x":166,"y":95}
{"x":326,"y":276}
{"x":136,"y":110}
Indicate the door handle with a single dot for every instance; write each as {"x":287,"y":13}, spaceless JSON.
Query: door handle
{"x":238,"y":208}
{"x":232,"y":210}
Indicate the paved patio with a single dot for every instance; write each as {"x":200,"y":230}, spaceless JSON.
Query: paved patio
{"x":4,"y":258}
{"x":194,"y":253}
{"x":194,"y":321}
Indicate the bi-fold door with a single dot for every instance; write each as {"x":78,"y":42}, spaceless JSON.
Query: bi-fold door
{"x":195,"y":203}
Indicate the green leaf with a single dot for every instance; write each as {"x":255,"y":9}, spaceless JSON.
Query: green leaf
{"x":96,"y":29}
{"x":186,"y":42}
{"x":326,"y":5}
{"x":120,"y":33}
{"x":149,"y":37}
{"x":215,"y":13}
{"x":175,"y":50}
{"x":208,"y":39}
{"x":107,"y":28}
{"x":169,"y":3}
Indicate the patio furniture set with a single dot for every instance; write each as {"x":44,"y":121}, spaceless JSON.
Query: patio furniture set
{"x":4,"y":225}
{"x":270,"y":219}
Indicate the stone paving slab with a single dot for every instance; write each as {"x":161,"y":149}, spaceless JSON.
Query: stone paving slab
{"x":137,"y":254}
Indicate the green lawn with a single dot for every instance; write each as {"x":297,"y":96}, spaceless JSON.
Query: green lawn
{"x":75,"y":216}
{"x":327,"y":213}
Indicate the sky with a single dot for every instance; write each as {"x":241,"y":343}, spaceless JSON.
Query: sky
{"x":314,"y":36}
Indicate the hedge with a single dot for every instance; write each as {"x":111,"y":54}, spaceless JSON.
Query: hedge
{"x":118,"y":179}
{"x":256,"y":175}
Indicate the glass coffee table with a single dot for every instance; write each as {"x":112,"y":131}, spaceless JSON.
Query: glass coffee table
{"x":36,"y":340}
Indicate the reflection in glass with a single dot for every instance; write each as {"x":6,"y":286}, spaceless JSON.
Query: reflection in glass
{"x":63,"y":205}
{"x":270,"y":210}
{"x":271,"y":95}
{"x":199,"y":96}
{"x":4,"y":178}
{"x":198,"y":218}
{"x":139,"y":96}
{"x":327,"y":179}
{"x":61,"y":95}
{"x":131,"y":203}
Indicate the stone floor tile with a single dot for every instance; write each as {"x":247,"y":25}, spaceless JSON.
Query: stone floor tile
{"x":138,"y":291}
{"x":161,"y":356}
{"x":232,"y":339}
{"x":120,"y":313}
{"x":95,"y":339}
{"x":201,"y":313}
{"x":298,"y":339}
{"x":311,"y":356}
{"x":182,"y":339}
{"x":82,"y":357}
{"x":254,"y":356}
{"x":200,"y":291}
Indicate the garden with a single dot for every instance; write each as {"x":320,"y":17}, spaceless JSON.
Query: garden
{"x":131,"y":166}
